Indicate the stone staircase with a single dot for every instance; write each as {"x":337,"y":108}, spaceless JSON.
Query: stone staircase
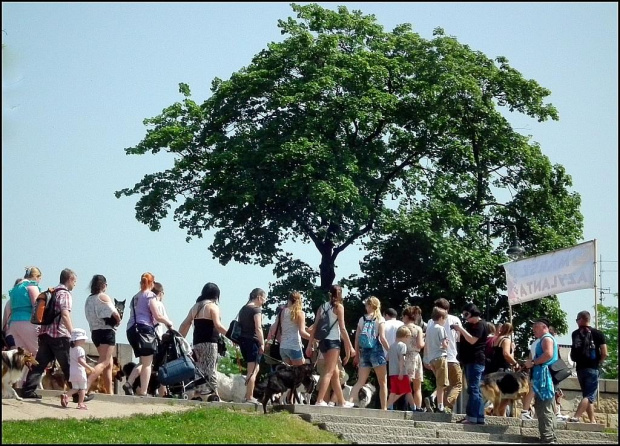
{"x":371,"y":426}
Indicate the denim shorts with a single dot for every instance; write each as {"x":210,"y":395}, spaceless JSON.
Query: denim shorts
{"x":291,"y":354}
{"x":329,"y":344}
{"x":372,"y":357}
{"x":588,"y":381}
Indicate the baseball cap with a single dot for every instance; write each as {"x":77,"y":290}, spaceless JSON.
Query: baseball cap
{"x":78,"y":334}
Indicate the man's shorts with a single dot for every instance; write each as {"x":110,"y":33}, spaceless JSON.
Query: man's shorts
{"x":400,"y":386}
{"x":588,"y":381}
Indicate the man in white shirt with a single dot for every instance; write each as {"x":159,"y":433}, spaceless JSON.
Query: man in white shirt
{"x":455,"y":375}
{"x":391,"y":325}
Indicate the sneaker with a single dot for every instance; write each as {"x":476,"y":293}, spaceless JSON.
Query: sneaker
{"x":347,"y":405}
{"x":87,"y":397}
{"x":526,"y":415}
{"x":32,"y":396}
{"x":573,"y":420}
{"x":82,"y":406}
{"x":321,"y":403}
{"x":419,"y":409}
{"x":251,"y":400}
{"x":331,"y":404}
{"x":128,"y":388}
{"x":438,"y":410}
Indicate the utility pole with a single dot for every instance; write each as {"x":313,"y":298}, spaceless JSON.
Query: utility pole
{"x":603,"y":291}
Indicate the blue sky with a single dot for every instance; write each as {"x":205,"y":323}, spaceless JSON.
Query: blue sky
{"x":78,"y":79}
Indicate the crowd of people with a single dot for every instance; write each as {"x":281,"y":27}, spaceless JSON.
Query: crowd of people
{"x":396,"y":350}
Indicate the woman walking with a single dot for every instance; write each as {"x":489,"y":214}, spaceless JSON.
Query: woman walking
{"x":141,"y":333}
{"x":252,"y":341}
{"x":292,"y":323}
{"x":371,"y":357}
{"x":205,"y":316}
{"x":97,"y":307}
{"x":330,"y":347}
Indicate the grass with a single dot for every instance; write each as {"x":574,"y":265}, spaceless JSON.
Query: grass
{"x":202,"y":425}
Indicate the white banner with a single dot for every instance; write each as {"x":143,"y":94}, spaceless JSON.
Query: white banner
{"x":555,"y":272}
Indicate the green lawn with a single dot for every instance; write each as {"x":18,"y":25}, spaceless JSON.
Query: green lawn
{"x":202,"y":425}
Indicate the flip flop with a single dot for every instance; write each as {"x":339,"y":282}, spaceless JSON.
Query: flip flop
{"x":82,"y":407}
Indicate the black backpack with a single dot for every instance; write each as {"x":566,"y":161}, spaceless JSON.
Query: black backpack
{"x":583,"y":343}
{"x":323,"y":328}
{"x":44,"y":310}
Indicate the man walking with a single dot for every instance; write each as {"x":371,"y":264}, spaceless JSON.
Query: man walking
{"x":545,"y":354}
{"x":54,"y":338}
{"x":588,"y":350}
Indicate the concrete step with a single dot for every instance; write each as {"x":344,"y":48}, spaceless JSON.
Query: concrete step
{"x":371,"y":426}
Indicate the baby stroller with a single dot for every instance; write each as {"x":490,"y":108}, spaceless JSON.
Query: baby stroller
{"x":175,"y":366}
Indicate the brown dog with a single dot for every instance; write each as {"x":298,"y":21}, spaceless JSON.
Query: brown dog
{"x":503,"y":388}
{"x":13,"y":363}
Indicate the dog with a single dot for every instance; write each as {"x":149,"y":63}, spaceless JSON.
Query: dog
{"x":286,"y":377}
{"x":120,"y":307}
{"x":98,"y":386}
{"x":153,"y":382}
{"x":503,"y":388}
{"x":53,"y":378}
{"x":13,"y":363}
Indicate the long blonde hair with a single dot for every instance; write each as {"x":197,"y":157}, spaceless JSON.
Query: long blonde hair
{"x":375,"y":304}
{"x":296,"y":311}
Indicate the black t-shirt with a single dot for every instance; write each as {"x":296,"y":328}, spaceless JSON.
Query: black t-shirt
{"x":473,"y":353}
{"x":586,"y":363}
{"x":246,"y":320}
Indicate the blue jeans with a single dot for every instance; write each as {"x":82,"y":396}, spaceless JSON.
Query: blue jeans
{"x":475,"y":406}
{"x":588,"y":381}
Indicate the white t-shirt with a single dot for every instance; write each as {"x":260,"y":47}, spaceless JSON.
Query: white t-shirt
{"x":452,"y":335}
{"x":391,"y":325}
{"x":77,"y":372}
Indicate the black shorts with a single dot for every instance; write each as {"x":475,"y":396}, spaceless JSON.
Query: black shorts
{"x":106,"y":336}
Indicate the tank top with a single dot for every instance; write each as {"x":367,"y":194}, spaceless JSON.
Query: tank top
{"x":204,"y":331}
{"x":95,"y":310}
{"x":334,"y":333}
{"x":21,"y":305}
{"x":290,"y":337}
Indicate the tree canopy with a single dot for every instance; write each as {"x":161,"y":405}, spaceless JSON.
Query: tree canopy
{"x":344,"y":133}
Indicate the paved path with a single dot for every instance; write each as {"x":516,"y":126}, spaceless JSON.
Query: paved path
{"x":102,"y":406}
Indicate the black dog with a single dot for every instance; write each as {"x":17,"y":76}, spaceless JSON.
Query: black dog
{"x":120,"y":307}
{"x":286,"y":377}
{"x":153,"y":382}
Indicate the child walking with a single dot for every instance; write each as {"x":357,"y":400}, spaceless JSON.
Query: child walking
{"x":77,"y":367}
{"x":400,"y":383}
{"x":436,"y":353}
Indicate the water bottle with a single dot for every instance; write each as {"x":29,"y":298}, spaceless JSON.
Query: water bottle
{"x":592,"y":350}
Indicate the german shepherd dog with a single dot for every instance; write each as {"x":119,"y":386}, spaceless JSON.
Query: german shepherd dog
{"x":287,"y":377}
{"x":502,"y":388}
{"x":13,"y":363}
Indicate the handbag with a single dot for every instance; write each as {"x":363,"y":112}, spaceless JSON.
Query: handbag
{"x":145,"y":335}
{"x":234,"y":330}
{"x":559,"y":371}
{"x":221,"y":346}
{"x":272,"y":350}
{"x":178,"y":370}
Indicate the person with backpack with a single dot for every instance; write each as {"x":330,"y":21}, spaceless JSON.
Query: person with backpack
{"x":54,"y":338}
{"x":370,"y":343}
{"x":329,"y":329}
{"x":588,"y":350}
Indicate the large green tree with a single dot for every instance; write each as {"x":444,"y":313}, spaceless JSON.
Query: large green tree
{"x":325,"y":133}
{"x":608,"y":324}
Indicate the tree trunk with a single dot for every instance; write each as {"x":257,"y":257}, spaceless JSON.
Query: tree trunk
{"x":327,"y":268}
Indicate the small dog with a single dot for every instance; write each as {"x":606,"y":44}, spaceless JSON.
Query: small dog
{"x":286,"y":377}
{"x":153,"y":382}
{"x":13,"y":363}
{"x":120,"y":307}
{"x":502,"y":388}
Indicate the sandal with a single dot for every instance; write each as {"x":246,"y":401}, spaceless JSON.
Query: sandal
{"x":64,"y":400}
{"x":82,"y":407}
{"x":465,"y":421}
